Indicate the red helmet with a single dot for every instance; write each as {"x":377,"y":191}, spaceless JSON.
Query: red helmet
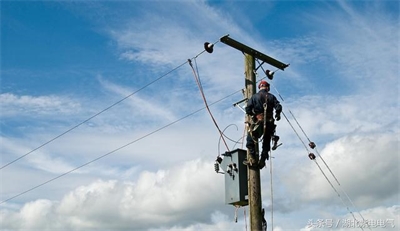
{"x":263,"y":83}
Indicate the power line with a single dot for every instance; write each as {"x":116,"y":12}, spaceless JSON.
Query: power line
{"x":117,"y":149}
{"x":197,"y":78}
{"x":93,"y":116}
{"x":313,"y":146}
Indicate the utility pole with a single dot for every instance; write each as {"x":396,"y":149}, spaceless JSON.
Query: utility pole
{"x":253,"y":172}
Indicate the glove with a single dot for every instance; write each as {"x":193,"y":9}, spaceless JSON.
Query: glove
{"x":278,"y":116}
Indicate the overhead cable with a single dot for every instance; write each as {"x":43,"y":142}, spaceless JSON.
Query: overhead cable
{"x":117,"y":149}
{"x":97,"y":114}
{"x":313,"y":146}
{"x":197,"y":78}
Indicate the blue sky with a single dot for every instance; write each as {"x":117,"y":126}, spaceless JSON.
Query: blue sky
{"x":63,"y":62}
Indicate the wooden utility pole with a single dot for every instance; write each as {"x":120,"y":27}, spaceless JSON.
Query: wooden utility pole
{"x":253,"y":172}
{"x":254,"y":183}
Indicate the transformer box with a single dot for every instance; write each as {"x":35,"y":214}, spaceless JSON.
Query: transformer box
{"x":236,"y":182}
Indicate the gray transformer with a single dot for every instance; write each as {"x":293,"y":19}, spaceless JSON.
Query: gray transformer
{"x":236,"y":182}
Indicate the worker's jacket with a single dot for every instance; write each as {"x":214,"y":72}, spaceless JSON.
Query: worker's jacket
{"x":255,"y":105}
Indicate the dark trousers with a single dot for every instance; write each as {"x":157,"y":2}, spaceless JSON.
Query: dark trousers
{"x":266,"y":143}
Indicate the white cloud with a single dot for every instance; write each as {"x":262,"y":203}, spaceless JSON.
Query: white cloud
{"x":32,"y":106}
{"x":376,"y":218}
{"x":366,"y":49}
{"x":141,"y":107}
{"x":139,"y":41}
{"x":140,"y":36}
{"x":160,"y":179}
{"x":165,"y":197}
{"x":367,"y":160}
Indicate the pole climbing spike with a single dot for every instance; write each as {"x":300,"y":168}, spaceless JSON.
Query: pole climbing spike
{"x":311,"y":156}
{"x":312,"y":145}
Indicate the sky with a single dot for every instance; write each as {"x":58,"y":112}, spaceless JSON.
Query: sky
{"x":103,"y":127}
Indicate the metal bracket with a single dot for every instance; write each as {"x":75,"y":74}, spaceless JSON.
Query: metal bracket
{"x":241,"y":104}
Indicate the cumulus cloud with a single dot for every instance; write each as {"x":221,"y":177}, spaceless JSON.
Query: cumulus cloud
{"x":177,"y":196}
{"x":367,"y":160}
{"x":38,"y":214}
{"x":160,"y":184}
{"x":376,"y":218}
{"x":219,"y":221}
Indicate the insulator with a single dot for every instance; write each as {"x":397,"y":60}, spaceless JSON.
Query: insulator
{"x":209,"y":47}
{"x":311,"y":156}
{"x":270,"y":74}
{"x":229,"y":170}
{"x":312,"y":145}
{"x":216,"y":167}
{"x":219,"y":159}
{"x":235,"y":167}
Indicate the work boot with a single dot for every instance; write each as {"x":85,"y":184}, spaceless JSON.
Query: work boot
{"x":251,"y":161}
{"x":275,"y":139}
{"x":251,"y":158}
{"x":261,"y":162}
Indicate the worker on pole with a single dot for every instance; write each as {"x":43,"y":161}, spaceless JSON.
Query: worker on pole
{"x":260,"y":106}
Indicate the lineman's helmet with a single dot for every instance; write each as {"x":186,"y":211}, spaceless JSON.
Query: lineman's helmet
{"x":263,"y":83}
